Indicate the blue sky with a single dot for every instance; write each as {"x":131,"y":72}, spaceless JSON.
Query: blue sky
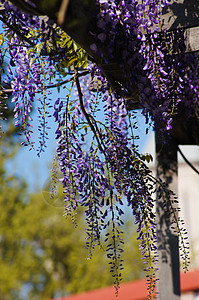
{"x":36,"y":170}
{"x":26,"y":164}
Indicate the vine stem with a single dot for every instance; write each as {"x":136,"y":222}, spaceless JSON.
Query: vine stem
{"x":58,"y":84}
{"x":66,"y":81}
{"x":187,"y":161}
{"x":86,"y":114}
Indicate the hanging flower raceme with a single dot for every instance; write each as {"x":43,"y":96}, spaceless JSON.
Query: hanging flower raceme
{"x":99,"y":160}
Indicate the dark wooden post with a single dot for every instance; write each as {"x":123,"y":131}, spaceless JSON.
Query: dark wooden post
{"x":168,"y":274}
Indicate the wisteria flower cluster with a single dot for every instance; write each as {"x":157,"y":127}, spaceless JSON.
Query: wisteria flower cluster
{"x":101,"y":166}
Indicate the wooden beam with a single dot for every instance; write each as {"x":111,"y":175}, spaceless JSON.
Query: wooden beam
{"x":183,"y":14}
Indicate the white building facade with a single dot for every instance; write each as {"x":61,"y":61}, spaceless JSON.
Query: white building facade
{"x":188,"y":194}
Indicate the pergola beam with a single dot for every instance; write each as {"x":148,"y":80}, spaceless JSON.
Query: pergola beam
{"x":184,"y":15}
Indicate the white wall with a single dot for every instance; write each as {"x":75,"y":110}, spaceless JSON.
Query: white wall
{"x":188,"y":194}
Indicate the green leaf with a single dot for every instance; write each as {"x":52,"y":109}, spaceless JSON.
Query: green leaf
{"x":39,"y":47}
{"x":71,"y":62}
{"x":1,"y":39}
{"x":31,"y":61}
{"x":147,"y":157}
{"x":72,"y":108}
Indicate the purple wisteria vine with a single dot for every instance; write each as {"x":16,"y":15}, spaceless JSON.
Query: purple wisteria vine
{"x":98,"y":157}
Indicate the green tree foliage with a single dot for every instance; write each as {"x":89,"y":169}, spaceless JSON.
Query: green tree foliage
{"x":41,"y":253}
